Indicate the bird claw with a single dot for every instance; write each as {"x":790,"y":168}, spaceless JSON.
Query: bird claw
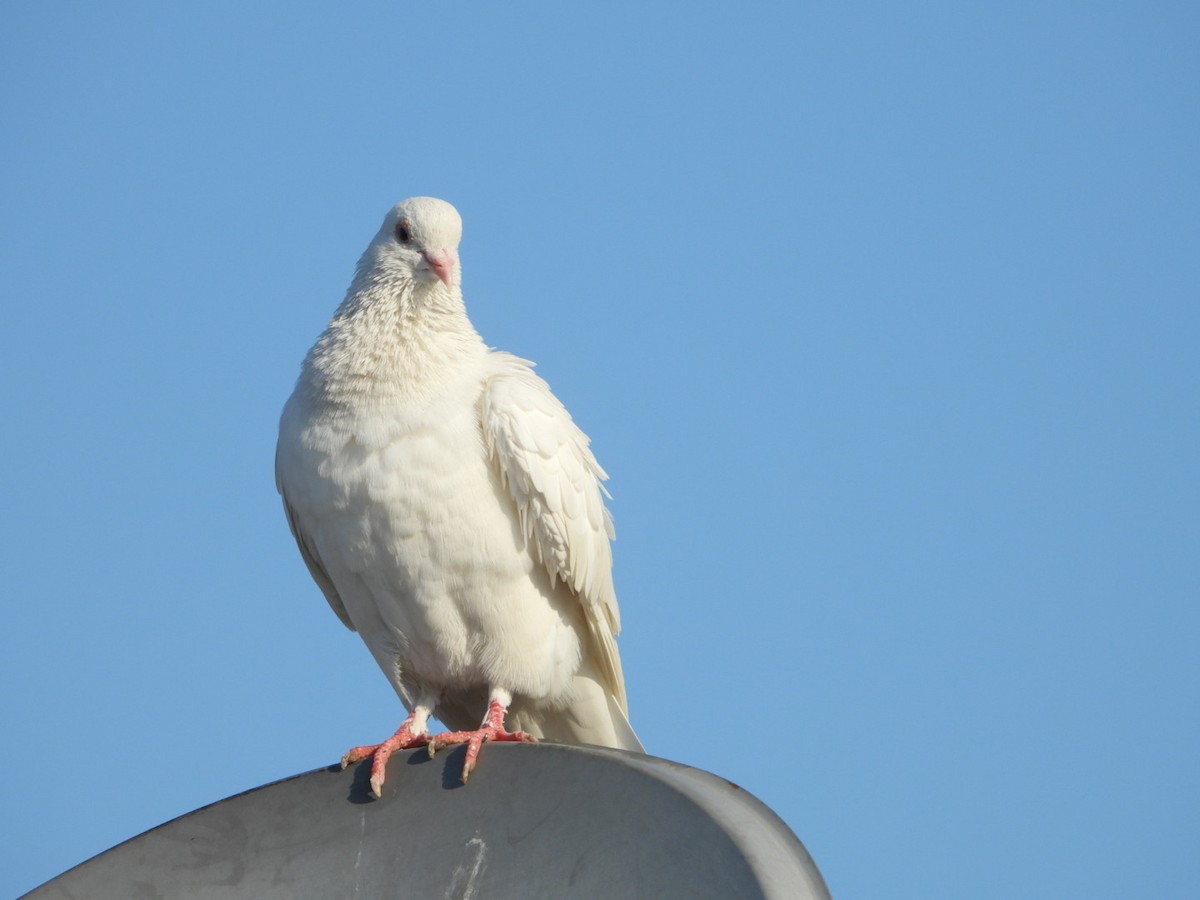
{"x":403,"y":739}
{"x":475,"y":741}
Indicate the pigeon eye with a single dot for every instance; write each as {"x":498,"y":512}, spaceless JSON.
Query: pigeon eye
{"x":403,"y":232}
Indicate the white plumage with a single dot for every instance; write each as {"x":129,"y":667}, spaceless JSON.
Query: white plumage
{"x":449,"y":508}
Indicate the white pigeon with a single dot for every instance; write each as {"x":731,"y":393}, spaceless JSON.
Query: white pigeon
{"x":451,"y":511}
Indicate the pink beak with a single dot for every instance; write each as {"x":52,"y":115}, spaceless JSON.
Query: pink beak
{"x":442,"y":263}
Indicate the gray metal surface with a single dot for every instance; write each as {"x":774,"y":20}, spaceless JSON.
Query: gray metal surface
{"x":537,"y":820}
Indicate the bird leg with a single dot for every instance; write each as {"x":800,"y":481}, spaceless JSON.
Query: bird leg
{"x":491,"y":729}
{"x":413,"y":732}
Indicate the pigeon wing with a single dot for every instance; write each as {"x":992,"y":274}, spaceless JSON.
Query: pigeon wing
{"x":309,"y":553}
{"x":544,"y":460}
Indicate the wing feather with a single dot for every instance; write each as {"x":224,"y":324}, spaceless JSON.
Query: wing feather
{"x":544,"y":459}
{"x":315,"y":567}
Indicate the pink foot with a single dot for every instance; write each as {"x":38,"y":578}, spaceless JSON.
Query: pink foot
{"x":492,"y":729}
{"x":403,"y":739}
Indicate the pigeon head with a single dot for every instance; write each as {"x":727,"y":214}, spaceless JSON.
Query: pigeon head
{"x":418,"y":242}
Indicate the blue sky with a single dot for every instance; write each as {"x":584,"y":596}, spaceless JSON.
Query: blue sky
{"x":882,"y":317}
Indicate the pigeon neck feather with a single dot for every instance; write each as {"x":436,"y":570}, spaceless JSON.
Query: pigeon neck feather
{"x":393,"y":340}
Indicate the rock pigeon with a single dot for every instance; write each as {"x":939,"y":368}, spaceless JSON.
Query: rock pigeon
{"x":451,"y":511}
